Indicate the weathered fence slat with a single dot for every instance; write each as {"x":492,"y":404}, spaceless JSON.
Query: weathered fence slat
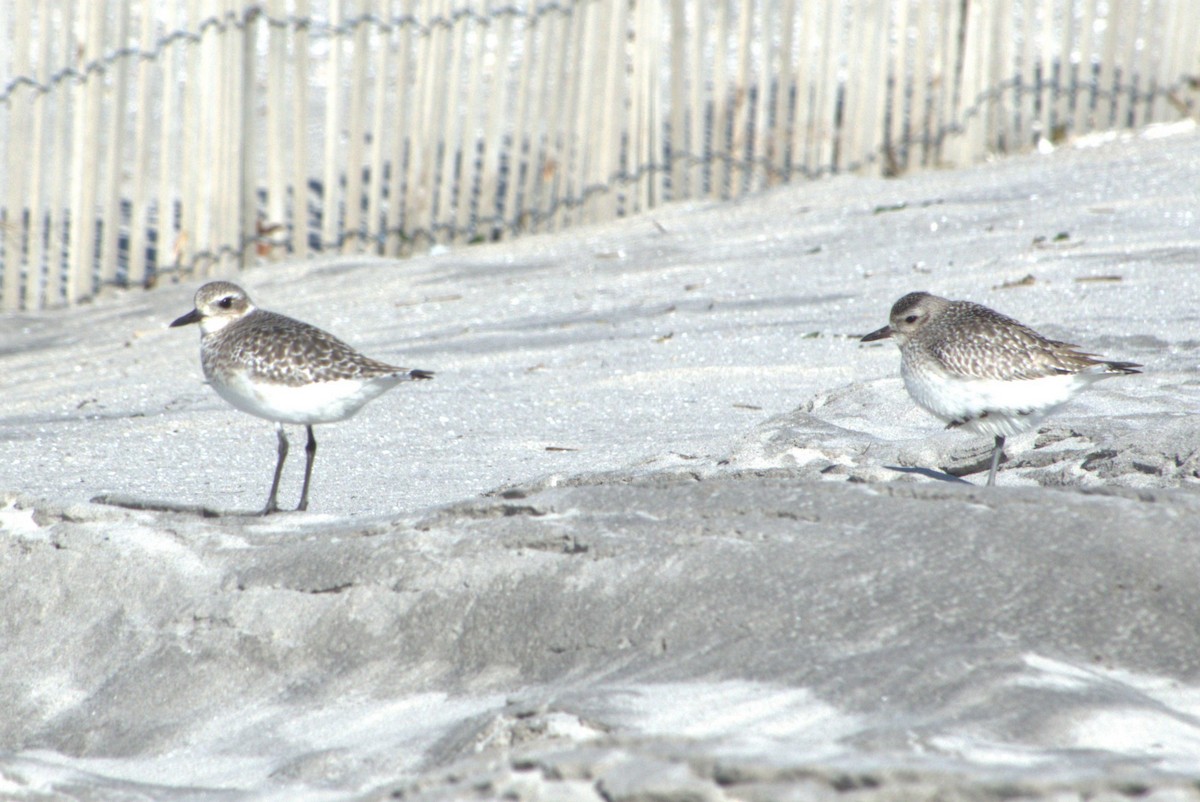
{"x":18,"y":152}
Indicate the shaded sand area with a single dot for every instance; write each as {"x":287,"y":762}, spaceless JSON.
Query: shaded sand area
{"x":660,"y":529}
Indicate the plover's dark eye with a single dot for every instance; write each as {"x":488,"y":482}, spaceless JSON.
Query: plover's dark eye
{"x":225,"y":302}
{"x":910,"y":319}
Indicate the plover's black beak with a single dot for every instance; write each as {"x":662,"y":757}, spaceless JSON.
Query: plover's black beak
{"x":878,"y":334}
{"x":191,"y":317}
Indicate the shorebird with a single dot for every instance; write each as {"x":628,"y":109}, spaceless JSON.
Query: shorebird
{"x":983,"y":371}
{"x":283,"y":370}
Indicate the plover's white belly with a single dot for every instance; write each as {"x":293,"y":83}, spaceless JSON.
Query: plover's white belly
{"x":989,"y":406}
{"x":316,"y":402}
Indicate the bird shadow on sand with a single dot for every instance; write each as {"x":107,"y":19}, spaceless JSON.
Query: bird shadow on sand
{"x":160,"y":505}
{"x":929,"y":473}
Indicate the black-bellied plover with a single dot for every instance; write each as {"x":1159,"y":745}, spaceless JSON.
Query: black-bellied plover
{"x":283,"y":370}
{"x":981,"y":370}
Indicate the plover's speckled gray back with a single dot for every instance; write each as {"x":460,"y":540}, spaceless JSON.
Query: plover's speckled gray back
{"x":981,"y":370}
{"x":283,"y":370}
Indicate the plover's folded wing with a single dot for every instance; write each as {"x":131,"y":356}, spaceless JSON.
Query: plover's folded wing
{"x":283,"y":350}
{"x":997,"y":347}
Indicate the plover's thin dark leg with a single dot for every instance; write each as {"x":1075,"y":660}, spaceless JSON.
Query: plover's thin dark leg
{"x":996,"y":452}
{"x":310,"y":452}
{"x":272,"y":503}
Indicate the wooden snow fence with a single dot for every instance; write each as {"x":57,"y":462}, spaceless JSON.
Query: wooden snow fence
{"x":144,"y":137}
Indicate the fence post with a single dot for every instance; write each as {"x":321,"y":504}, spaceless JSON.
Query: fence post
{"x":275,"y":105}
{"x":39,"y":259}
{"x":403,"y":95}
{"x":353,"y":232}
{"x":381,"y":134}
{"x":332,"y":130}
{"x":85,"y":133}
{"x":616,"y":104}
{"x":139,"y":207}
{"x":114,"y":138}
{"x":250,"y":156}
{"x":15,"y":228}
{"x":491,"y":221}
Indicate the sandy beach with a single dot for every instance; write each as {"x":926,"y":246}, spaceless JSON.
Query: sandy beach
{"x":661,"y":527}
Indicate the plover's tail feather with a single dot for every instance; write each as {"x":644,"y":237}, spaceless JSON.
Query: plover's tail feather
{"x":428,"y":374}
{"x":1121,"y":367}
